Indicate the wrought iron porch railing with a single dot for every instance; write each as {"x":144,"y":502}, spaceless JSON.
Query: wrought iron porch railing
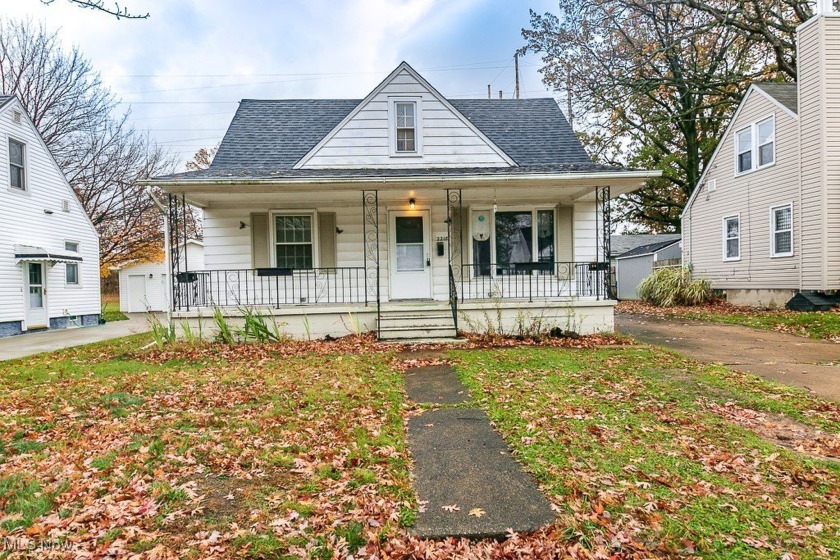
{"x":270,"y":287}
{"x":534,"y":280}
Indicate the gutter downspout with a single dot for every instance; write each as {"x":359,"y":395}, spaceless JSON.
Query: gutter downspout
{"x":166,"y":249}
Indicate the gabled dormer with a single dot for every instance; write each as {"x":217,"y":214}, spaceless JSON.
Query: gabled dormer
{"x":403,"y":123}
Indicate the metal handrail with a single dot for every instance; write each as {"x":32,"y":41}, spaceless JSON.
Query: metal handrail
{"x":534,"y":280}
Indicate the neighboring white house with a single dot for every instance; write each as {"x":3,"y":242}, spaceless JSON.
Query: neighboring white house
{"x":404,"y":213}
{"x":764,"y":221}
{"x":49,"y":249}
{"x":146,"y":286}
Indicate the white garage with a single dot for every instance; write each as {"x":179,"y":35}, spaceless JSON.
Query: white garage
{"x":146,"y":287}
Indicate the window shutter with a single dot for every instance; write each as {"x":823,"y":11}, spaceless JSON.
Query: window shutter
{"x":259,"y":240}
{"x":327,"y":240}
{"x":565,"y":239}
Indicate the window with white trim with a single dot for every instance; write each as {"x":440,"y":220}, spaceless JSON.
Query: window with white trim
{"x":766,"y":130}
{"x":405,"y":113}
{"x":743,"y":147}
{"x":71,"y":270}
{"x":781,"y":226}
{"x":17,"y":165}
{"x":293,"y":245}
{"x":732,"y":238}
{"x":755,"y":146}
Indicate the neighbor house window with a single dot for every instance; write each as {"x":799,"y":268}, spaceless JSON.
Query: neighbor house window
{"x":293,"y":241}
{"x":17,"y":165}
{"x":782,"y":230}
{"x":766,"y":142}
{"x":732,"y":238}
{"x":406,"y":122}
{"x":755,"y":146}
{"x":71,"y":270}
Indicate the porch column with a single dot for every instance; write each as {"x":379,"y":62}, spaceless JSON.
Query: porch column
{"x":454,"y":226}
{"x":177,"y":222}
{"x":370,"y":223}
{"x":603,"y":222}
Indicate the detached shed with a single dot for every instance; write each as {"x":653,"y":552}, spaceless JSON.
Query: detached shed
{"x":637,"y":264}
{"x":145,"y":286}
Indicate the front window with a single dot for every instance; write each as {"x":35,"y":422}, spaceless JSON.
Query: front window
{"x":293,"y":241}
{"x":406,"y":121}
{"x":17,"y":167}
{"x":514,"y":240}
{"x":743,"y":145}
{"x":732,"y":238}
{"x":782,"y":223}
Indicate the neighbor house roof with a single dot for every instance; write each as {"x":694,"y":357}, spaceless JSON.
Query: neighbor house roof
{"x":786,"y":94}
{"x":621,"y":244}
{"x":5,"y":99}
{"x":266,"y":138}
{"x":648,"y":248}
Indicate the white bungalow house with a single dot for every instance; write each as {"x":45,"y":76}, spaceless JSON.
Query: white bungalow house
{"x":145,"y":286}
{"x":49,"y":249}
{"x":404,"y":213}
{"x":763,"y":224}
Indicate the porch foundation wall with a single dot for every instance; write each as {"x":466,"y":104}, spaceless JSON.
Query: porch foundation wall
{"x":582,"y":317}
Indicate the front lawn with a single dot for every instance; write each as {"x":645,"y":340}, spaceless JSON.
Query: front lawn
{"x":298,"y":451}
{"x":816,"y":324}
{"x":262,"y":453}
{"x":642,"y":450}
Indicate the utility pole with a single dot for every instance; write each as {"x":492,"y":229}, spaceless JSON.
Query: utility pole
{"x":516,"y":66}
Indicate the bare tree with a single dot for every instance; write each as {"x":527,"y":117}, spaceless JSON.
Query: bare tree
{"x":202,"y":159}
{"x":102,"y":157}
{"x":99,"y":5}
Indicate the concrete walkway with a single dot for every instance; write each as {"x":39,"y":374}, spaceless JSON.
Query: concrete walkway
{"x":34,"y":343}
{"x":811,"y":364}
{"x":465,"y":477}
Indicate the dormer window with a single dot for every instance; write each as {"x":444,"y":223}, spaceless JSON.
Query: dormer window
{"x":406,"y":126}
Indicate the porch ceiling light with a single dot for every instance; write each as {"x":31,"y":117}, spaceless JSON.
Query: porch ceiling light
{"x":412,"y":203}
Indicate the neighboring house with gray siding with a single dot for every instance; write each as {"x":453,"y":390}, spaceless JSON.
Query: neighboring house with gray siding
{"x":49,"y":249}
{"x":764,"y":221}
{"x":404,"y":213}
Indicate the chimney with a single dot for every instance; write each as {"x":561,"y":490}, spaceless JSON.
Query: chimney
{"x":818,"y":81}
{"x":501,"y":94}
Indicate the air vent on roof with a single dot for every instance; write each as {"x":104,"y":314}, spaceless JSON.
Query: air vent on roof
{"x":16,"y":116}
{"x":65,"y":205}
{"x":711,"y":185}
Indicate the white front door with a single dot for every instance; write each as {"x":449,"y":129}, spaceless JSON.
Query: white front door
{"x":35,"y":295}
{"x":411,"y":258}
{"x":137,"y":301}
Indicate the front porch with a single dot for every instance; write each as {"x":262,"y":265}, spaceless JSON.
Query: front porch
{"x":340,"y":260}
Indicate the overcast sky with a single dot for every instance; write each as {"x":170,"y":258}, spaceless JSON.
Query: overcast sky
{"x":182,"y":71}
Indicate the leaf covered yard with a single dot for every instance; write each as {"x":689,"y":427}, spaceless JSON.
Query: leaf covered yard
{"x":298,"y":451}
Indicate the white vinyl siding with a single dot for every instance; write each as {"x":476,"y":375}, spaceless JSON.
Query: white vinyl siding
{"x":732,"y":238}
{"x":23,"y":221}
{"x":369,"y":138}
{"x":781,"y":230}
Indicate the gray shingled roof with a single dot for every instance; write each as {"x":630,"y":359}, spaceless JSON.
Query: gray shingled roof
{"x":786,"y":94}
{"x":5,"y":99}
{"x":648,"y":248}
{"x":622,"y":244}
{"x":266,"y":138}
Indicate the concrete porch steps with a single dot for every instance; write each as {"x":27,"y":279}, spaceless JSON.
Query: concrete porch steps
{"x":417,"y":322}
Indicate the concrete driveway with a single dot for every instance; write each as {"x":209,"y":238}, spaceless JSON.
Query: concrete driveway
{"x":811,"y":364}
{"x":28,"y":344}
